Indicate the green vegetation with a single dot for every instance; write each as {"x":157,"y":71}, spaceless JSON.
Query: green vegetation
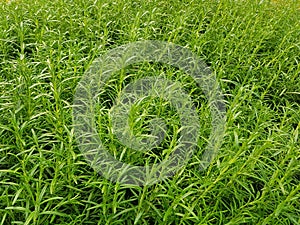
{"x":254,"y":48}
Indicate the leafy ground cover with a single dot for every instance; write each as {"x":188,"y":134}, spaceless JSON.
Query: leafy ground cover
{"x":254,"y":49}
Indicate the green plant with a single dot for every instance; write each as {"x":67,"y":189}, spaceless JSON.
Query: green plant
{"x":253,"y":46}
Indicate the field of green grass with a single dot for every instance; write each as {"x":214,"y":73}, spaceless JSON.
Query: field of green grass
{"x":252,"y":46}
